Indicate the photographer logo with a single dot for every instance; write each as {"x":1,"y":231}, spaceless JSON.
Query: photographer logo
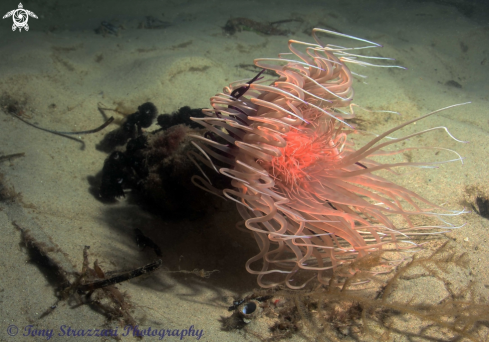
{"x":20,"y":17}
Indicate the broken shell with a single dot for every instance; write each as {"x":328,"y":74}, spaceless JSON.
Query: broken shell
{"x":249,"y":310}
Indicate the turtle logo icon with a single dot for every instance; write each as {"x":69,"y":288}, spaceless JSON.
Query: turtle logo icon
{"x":20,"y":16}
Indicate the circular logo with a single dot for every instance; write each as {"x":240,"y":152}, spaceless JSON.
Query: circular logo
{"x":20,"y":17}
{"x":12,"y":330}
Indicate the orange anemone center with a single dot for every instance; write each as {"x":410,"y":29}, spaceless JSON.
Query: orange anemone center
{"x":304,"y":150}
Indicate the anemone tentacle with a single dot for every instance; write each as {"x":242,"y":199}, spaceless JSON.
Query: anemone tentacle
{"x":311,"y":201}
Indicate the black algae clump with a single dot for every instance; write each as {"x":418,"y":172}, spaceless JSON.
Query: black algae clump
{"x":143,"y":118}
{"x":113,"y":175}
{"x":153,"y":168}
{"x":181,"y":116}
{"x":131,"y":127}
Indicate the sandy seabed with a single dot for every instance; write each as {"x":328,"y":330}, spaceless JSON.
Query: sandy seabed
{"x":61,"y":69}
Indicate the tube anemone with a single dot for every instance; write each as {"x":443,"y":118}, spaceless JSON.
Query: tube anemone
{"x":311,"y":201}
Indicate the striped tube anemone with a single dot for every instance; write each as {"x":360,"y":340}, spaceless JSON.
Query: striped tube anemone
{"x":310,"y":199}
